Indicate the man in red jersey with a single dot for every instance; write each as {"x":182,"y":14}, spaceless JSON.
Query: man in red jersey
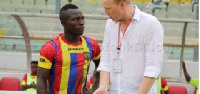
{"x":65,"y":60}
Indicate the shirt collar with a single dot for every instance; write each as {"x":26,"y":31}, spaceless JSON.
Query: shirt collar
{"x":136,"y":15}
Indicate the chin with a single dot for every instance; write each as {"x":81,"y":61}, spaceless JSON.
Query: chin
{"x":79,"y":34}
{"x":114,"y":19}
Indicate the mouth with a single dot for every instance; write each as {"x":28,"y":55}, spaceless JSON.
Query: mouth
{"x":81,"y":28}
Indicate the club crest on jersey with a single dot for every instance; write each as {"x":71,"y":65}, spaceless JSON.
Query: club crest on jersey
{"x":42,"y":60}
{"x":87,"y":56}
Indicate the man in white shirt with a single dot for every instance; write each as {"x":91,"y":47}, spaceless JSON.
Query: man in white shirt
{"x":132,"y":50}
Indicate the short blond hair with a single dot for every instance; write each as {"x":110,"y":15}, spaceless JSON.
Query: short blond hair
{"x":127,"y":1}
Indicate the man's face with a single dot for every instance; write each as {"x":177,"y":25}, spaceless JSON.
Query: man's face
{"x":34,"y":68}
{"x":112,"y":9}
{"x":74,"y":21}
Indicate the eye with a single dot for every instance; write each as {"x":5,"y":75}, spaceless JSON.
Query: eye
{"x":82,"y":18}
{"x":77,"y":19}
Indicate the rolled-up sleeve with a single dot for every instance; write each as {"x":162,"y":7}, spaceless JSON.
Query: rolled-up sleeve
{"x":105,"y":50}
{"x":153,"y":40}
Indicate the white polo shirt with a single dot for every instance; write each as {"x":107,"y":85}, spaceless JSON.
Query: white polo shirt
{"x":141,"y":53}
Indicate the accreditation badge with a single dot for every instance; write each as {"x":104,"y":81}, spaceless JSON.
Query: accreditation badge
{"x":117,"y":65}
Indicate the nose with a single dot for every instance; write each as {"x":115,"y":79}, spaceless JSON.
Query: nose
{"x":82,"y":21}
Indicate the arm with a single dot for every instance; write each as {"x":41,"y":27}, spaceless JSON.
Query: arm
{"x":96,"y":76}
{"x":24,"y":85}
{"x":104,"y":66}
{"x":33,"y":85}
{"x":104,"y":81}
{"x":187,"y":76}
{"x":42,"y":76}
{"x":153,"y":43}
{"x":46,"y":57}
{"x":147,"y":82}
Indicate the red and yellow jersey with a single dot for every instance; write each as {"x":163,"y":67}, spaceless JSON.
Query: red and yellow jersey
{"x":164,"y":84}
{"x":69,"y":63}
{"x":24,"y":79}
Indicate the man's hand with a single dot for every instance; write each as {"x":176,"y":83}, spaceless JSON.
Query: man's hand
{"x":101,"y":91}
{"x":88,"y":91}
{"x":33,"y":85}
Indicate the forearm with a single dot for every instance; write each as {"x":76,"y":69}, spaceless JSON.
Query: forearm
{"x":104,"y":79}
{"x":96,"y":77}
{"x":42,"y":76}
{"x":146,"y":85}
{"x":24,"y":87}
{"x":187,"y":76}
{"x":166,"y":92}
{"x":41,"y":87}
{"x":33,"y":86}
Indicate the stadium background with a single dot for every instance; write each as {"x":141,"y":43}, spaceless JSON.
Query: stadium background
{"x":42,"y":22}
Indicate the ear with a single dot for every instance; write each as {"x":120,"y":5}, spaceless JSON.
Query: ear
{"x":63,"y":23}
{"x":123,"y":4}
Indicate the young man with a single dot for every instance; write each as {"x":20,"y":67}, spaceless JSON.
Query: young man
{"x":132,"y":49}
{"x":65,"y":60}
{"x":30,"y":79}
{"x":191,"y":81}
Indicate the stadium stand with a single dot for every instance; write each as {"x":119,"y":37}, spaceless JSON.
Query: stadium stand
{"x":33,"y":9}
{"x":146,"y":1}
{"x":28,"y":2}
{"x":185,"y":1}
{"x":174,"y":1}
{"x":187,"y":14}
{"x":149,"y":11}
{"x":161,"y":13}
{"x":40,"y":2}
{"x":176,"y":7}
{"x":4,"y":1}
{"x":16,"y":2}
{"x":10,"y":84}
{"x":48,"y":10}
{"x":173,"y":14}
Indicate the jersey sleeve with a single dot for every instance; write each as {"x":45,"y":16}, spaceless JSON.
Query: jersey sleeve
{"x":194,"y":82}
{"x":24,"y":80}
{"x":164,"y":84}
{"x":96,"y":50}
{"x":46,"y":57}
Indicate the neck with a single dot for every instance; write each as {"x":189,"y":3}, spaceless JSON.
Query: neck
{"x":33,"y":73}
{"x":128,"y":14}
{"x":72,"y":38}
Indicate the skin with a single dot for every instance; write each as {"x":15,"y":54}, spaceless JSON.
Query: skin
{"x":73,"y":25}
{"x":34,"y":72}
{"x":166,"y":92}
{"x":96,"y":77}
{"x":123,"y":12}
{"x":187,"y":76}
{"x":73,"y":28}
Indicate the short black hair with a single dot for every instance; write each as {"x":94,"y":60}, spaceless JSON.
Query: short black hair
{"x":65,"y":8}
{"x":34,"y":62}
